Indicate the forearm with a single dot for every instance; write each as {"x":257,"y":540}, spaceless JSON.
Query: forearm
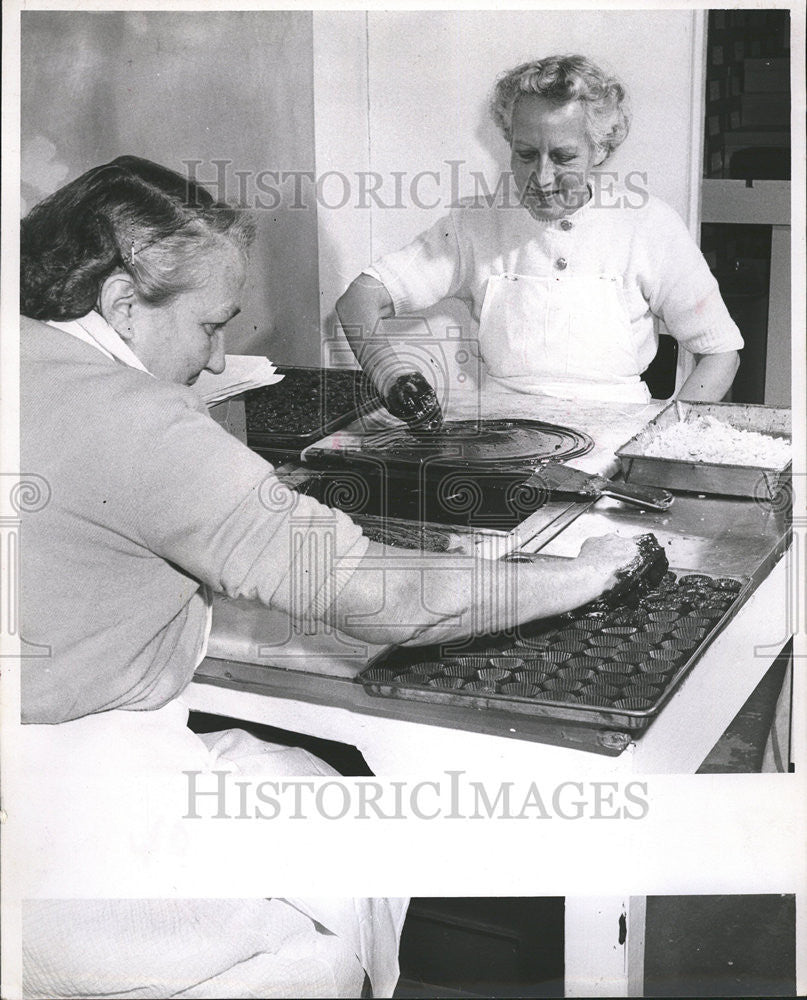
{"x":361,"y":311}
{"x":400,"y":597}
{"x":711,"y":378}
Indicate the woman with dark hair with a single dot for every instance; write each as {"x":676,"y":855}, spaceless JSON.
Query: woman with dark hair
{"x":131,"y":274}
{"x":565,"y":284}
{"x":153,"y":229}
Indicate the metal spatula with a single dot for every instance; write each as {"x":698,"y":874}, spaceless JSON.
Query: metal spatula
{"x":559,"y":478}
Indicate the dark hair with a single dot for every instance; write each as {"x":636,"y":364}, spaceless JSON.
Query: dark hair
{"x":131,"y":215}
{"x":564,"y":79}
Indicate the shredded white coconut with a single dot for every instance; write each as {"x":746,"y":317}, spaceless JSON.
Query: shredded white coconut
{"x":707,"y":439}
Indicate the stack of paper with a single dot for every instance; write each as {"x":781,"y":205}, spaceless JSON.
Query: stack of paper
{"x":241,"y":372}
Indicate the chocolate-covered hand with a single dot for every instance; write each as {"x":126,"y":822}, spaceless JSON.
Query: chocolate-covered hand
{"x":412,"y":399}
{"x":643,"y":568}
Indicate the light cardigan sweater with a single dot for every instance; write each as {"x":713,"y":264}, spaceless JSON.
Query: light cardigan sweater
{"x":635,"y":237}
{"x":149,"y":497}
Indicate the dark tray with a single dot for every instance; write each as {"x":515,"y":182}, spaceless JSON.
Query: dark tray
{"x":308,"y":404}
{"x":602,"y":666}
{"x":485,"y":446}
{"x":489,"y":500}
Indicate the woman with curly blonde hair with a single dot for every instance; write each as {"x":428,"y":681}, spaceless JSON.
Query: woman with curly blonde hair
{"x":566,"y":294}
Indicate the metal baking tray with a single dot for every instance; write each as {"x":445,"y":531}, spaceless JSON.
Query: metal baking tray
{"x":603,"y":667}
{"x":307,"y":405}
{"x":761,"y":482}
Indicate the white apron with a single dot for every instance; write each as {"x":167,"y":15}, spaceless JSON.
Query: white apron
{"x":107,"y":793}
{"x":153,"y":949}
{"x":108,"y":790}
{"x":561,"y":334}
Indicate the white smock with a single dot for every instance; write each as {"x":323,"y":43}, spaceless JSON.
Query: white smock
{"x":107,"y":792}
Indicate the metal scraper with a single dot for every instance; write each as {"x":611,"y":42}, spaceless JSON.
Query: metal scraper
{"x":559,"y":478}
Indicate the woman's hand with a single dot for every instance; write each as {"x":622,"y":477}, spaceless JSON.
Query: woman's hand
{"x":608,"y":554}
{"x":412,"y":399}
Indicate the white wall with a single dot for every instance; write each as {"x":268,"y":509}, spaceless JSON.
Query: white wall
{"x":173,"y":87}
{"x":430,"y":75}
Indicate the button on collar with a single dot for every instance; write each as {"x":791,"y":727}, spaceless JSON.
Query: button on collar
{"x":566,"y":225}
{"x":561,"y":263}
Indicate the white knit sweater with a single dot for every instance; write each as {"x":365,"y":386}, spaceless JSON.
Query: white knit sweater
{"x":149,"y":498}
{"x":633,"y":236}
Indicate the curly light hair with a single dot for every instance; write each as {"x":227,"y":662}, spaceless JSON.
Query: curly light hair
{"x":564,"y":79}
{"x":129,"y":215}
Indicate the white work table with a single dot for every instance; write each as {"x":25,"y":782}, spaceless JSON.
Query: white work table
{"x":407,"y":738}
{"x":259,"y":669}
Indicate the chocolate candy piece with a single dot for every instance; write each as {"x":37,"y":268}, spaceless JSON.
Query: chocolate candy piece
{"x":638,"y":644}
{"x":562,"y":684}
{"x":656,"y":602}
{"x":710,"y":611}
{"x":582,"y":674}
{"x":630,"y":656}
{"x":613,"y":678}
{"x":380,"y":674}
{"x":695,"y":620}
{"x":413,"y":679}
{"x":595,"y":619}
{"x":633,"y":704}
{"x":606,"y":642}
{"x":677,"y":645}
{"x":569,"y":645}
{"x":578,"y":663}
{"x":446,"y":682}
{"x":641,"y":688}
{"x":657,"y":667}
{"x":629,"y":616}
{"x":603,"y":692}
{"x":457,"y":669}
{"x":664,"y":655}
{"x":690,"y":634}
{"x":472,"y":661}
{"x":597,"y":654}
{"x":429,"y":667}
{"x":520,"y":689}
{"x":532,"y":676}
{"x":554,"y":656}
{"x":506,"y":662}
{"x":492,"y":674}
{"x":663,"y":617}
{"x":483,"y":687}
{"x":536,"y":642}
{"x":654,"y":635}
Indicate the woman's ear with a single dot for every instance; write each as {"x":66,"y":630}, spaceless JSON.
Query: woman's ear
{"x":115,"y":303}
